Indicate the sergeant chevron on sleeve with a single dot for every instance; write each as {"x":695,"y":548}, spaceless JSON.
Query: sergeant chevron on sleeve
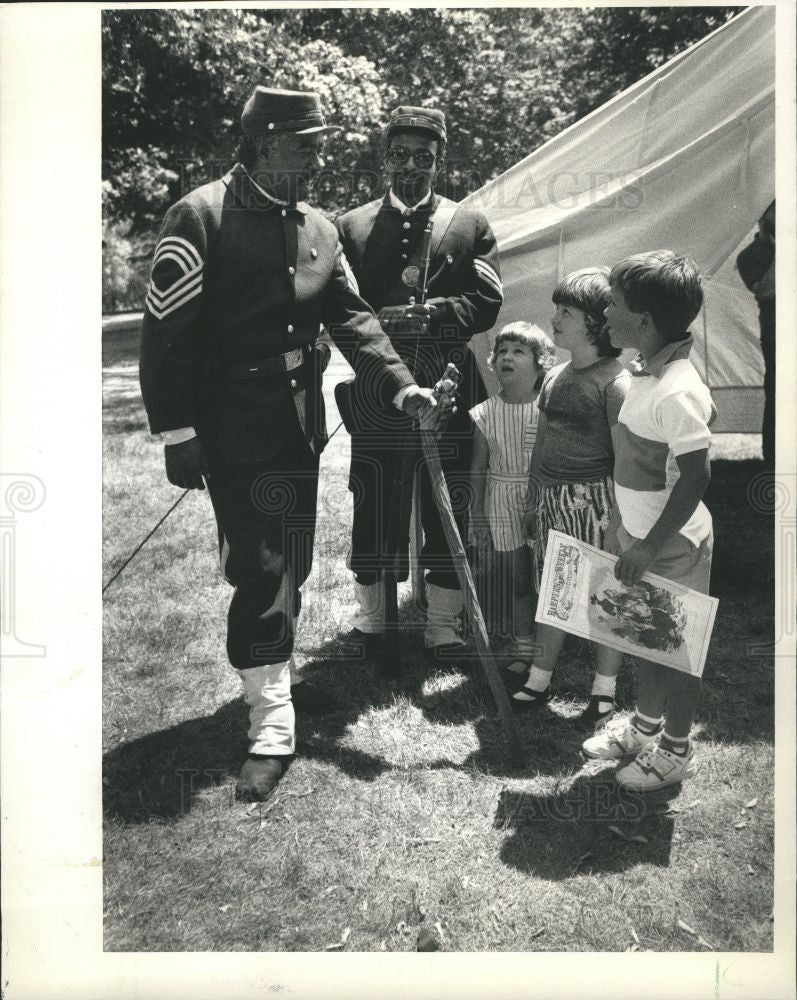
{"x":243,"y":276}
{"x":176,"y":276}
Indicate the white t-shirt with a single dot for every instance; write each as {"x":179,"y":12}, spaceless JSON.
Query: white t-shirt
{"x":666,"y":413}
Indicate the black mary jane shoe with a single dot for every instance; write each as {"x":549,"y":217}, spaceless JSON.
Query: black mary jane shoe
{"x":534,"y":699}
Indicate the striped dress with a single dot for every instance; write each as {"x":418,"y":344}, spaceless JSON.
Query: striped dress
{"x":510,"y":430}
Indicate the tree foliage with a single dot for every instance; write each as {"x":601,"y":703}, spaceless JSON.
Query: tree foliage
{"x":174,"y":83}
{"x":508,"y":79}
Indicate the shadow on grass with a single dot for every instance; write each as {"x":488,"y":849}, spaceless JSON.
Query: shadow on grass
{"x":738,"y":695}
{"x":160,"y":775}
{"x":565,"y":833}
{"x":458,"y":696}
{"x":359,"y":689}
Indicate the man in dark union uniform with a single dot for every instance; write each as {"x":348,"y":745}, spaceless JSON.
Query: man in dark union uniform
{"x":243,"y":276}
{"x":384,"y":243}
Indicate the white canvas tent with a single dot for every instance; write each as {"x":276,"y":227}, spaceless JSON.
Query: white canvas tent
{"x":684,"y":159}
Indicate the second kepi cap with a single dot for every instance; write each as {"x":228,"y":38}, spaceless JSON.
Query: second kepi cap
{"x":428,"y":119}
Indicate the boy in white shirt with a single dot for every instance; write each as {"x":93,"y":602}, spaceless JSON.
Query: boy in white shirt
{"x":661,"y":473}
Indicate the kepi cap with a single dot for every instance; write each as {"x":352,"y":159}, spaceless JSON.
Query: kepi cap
{"x":273,"y":110}
{"x":428,"y":119}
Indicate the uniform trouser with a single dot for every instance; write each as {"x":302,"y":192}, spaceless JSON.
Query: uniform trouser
{"x":373,"y":485}
{"x":266,"y":514}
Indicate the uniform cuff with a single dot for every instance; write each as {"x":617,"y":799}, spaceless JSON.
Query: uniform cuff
{"x":178,"y":435}
{"x":401,"y":395}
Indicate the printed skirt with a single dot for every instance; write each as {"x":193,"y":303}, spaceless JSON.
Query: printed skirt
{"x":581,"y":510}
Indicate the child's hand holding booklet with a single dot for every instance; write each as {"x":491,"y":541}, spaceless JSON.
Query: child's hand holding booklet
{"x":655,"y":619}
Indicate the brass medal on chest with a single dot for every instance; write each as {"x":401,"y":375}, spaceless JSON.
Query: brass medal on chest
{"x":410,"y":275}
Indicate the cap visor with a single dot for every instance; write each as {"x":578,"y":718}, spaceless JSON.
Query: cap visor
{"x":428,"y":129}
{"x":318,"y":129}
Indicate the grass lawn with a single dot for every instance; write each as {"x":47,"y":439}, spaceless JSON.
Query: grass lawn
{"x":401,"y":814}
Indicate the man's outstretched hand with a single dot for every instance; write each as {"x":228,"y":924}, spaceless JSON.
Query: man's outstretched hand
{"x":418,"y":400}
{"x":186,"y":464}
{"x":424,"y":406}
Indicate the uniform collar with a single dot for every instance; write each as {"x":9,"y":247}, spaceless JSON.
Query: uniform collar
{"x":396,"y":202}
{"x":674,"y":351}
{"x":249,"y":193}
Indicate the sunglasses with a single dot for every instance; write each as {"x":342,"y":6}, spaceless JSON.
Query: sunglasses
{"x":422,"y":158}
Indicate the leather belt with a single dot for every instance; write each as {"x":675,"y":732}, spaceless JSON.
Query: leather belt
{"x":266,"y":366}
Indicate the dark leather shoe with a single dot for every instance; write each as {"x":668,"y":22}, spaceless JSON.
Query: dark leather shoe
{"x":259,"y":777}
{"x":533,"y":699}
{"x":306,"y":697}
{"x":512,"y":682}
{"x":513,"y":679}
{"x":368,"y":645}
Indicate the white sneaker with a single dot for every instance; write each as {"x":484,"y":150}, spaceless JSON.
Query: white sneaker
{"x":618,"y":740}
{"x":655,"y":768}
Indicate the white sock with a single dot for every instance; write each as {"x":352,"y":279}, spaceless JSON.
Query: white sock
{"x":369,"y":617}
{"x":538,"y":679}
{"x":649,"y":726}
{"x":604,"y":686}
{"x":267,"y":692}
{"x":678,"y":744}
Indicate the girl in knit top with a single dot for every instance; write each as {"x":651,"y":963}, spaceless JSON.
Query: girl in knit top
{"x":570,"y":484}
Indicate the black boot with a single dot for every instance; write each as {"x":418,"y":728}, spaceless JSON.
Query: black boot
{"x":259,"y":777}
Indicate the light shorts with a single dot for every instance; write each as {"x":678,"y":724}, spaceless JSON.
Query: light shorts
{"x":680,"y":560}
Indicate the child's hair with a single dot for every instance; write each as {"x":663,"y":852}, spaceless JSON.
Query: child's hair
{"x":664,"y":284}
{"x":527,"y":333}
{"x":589,"y":291}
